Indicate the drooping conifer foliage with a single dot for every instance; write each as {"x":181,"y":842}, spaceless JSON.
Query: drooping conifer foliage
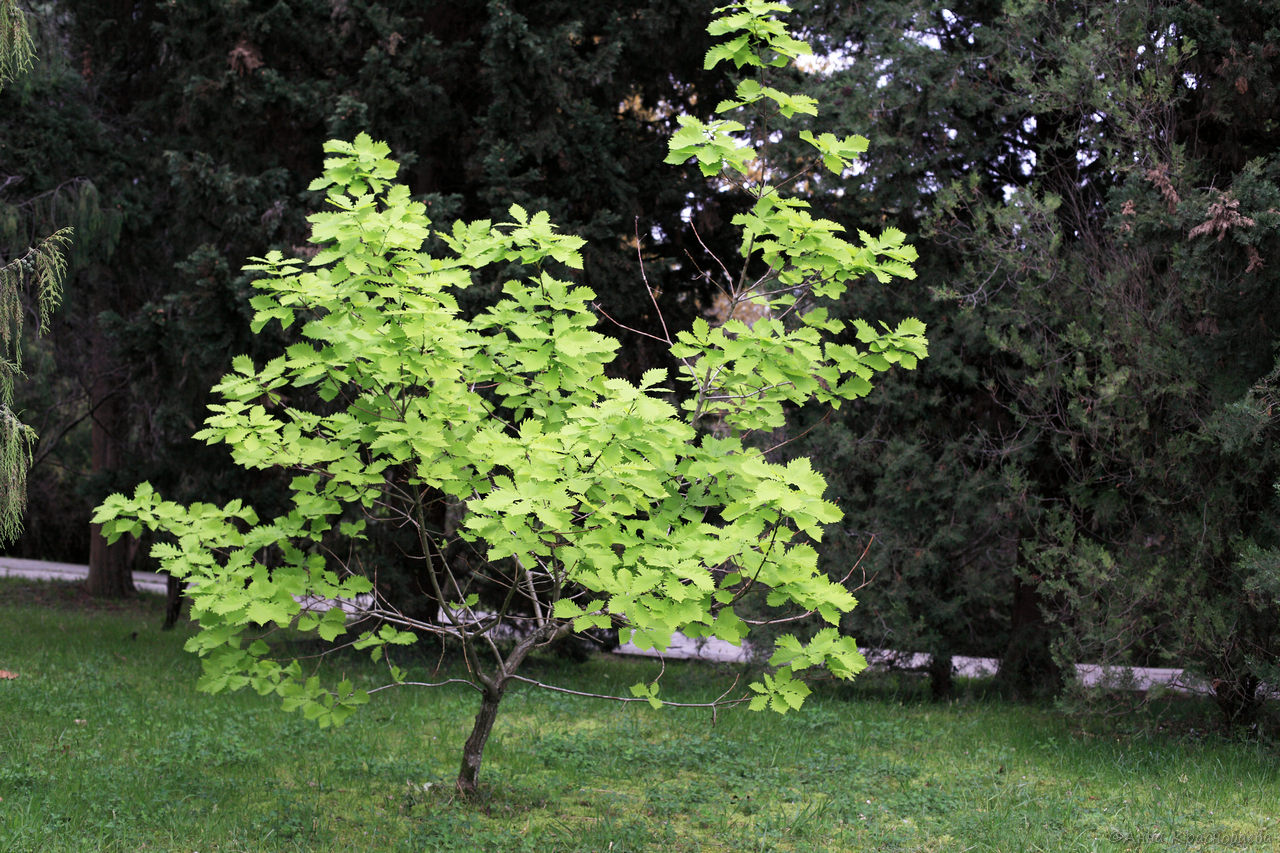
{"x":30,"y":273}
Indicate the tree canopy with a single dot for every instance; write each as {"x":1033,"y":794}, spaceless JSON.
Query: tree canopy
{"x":1084,"y":469}
{"x":592,"y":502}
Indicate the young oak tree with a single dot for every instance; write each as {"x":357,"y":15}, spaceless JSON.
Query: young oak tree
{"x":593,"y":502}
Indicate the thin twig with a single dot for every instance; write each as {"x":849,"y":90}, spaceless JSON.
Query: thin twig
{"x":727,"y":275}
{"x":713,"y":704}
{"x":426,"y":684}
{"x":797,"y":617}
{"x":720,"y":398}
{"x":858,"y":562}
{"x":596,"y":305}
{"x":645,"y":277}
{"x":825,"y":417}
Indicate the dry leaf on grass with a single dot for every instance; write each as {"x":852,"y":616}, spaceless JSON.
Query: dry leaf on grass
{"x":4,"y":673}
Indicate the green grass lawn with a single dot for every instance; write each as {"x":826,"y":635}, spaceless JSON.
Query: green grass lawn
{"x":105,"y":745}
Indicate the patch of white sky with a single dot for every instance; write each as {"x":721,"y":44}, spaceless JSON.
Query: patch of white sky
{"x":840,"y":59}
{"x":844,"y":57}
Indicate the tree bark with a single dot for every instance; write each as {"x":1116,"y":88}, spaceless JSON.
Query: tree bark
{"x":941,"y":683}
{"x":473,"y":750}
{"x":173,"y":602}
{"x":109,"y":565}
{"x":1027,"y":668}
{"x":491,"y":696}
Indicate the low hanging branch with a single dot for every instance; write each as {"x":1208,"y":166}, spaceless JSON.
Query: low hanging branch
{"x":17,"y":51}
{"x":595,"y":503}
{"x":35,"y":273}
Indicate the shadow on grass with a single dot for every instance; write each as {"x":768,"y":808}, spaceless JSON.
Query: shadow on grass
{"x":74,"y":595}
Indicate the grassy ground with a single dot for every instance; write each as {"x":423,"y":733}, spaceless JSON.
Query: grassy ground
{"x":104,"y":745}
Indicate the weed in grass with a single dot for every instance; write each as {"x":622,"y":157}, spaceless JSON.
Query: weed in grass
{"x":22,"y":777}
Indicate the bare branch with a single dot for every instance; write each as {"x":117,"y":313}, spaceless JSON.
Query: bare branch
{"x":645,"y":277}
{"x":470,"y":684}
{"x":621,"y":325}
{"x":727,"y":275}
{"x":826,"y":416}
{"x":714,"y":704}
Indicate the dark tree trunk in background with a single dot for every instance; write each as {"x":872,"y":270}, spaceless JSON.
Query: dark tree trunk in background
{"x":438,"y":519}
{"x":1027,"y":668}
{"x":173,"y":603}
{"x":109,"y":565}
{"x":941,"y":683}
{"x":1238,"y":698}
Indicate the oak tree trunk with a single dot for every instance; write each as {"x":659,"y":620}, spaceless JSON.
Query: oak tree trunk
{"x":491,"y":696}
{"x":473,"y":750}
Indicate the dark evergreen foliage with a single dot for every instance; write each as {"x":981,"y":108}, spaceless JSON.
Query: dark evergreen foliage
{"x":1098,"y":201}
{"x":1084,"y":468}
{"x":202,"y":122}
